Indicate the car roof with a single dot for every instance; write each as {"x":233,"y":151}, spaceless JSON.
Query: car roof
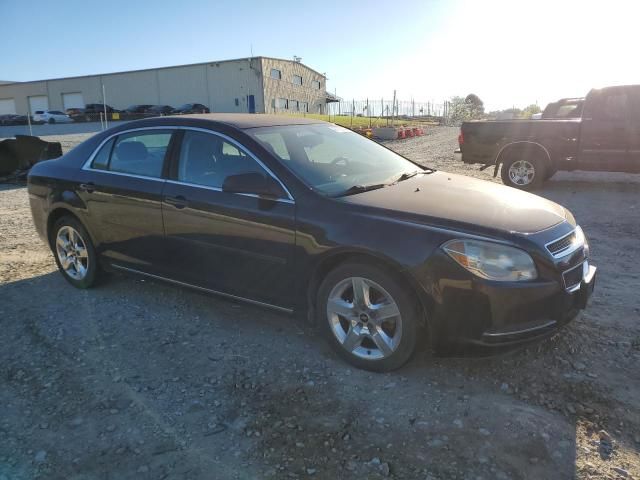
{"x":251,"y":120}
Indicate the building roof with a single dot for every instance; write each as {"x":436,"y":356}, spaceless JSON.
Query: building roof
{"x":162,"y":68}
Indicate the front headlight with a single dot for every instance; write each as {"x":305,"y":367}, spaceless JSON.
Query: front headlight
{"x":492,"y":260}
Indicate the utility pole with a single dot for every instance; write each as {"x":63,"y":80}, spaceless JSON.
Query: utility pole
{"x":393,"y":107}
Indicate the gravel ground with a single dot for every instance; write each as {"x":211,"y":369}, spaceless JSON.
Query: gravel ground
{"x":137,"y":379}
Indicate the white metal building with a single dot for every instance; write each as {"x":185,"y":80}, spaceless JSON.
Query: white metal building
{"x":256,"y":84}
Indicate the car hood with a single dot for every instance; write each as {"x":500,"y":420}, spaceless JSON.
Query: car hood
{"x":466,"y":200}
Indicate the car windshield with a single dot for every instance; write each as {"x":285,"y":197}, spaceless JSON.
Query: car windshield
{"x":186,"y":106}
{"x":333,"y":160}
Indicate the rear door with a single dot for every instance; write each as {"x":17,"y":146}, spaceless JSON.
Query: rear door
{"x":122,"y":188}
{"x":605,"y":133}
{"x":239,"y":244}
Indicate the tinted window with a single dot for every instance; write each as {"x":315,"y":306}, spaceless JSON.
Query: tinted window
{"x":207,"y":159}
{"x":140,"y":153}
{"x":101,"y":160}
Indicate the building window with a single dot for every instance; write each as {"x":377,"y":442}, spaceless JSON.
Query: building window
{"x":282,"y":103}
{"x":237,"y":102}
{"x":275,"y":73}
{"x":304,"y":107}
{"x":316,"y":84}
{"x":297,"y":80}
{"x":293,"y":105}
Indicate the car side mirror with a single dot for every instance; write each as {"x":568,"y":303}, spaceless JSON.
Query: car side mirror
{"x":253,"y":183}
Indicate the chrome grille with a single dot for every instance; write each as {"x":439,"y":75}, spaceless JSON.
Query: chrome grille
{"x":559,"y":246}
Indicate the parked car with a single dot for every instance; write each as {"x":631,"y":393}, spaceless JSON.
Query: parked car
{"x":13,"y":119}
{"x":51,"y":116}
{"x":564,"y":108}
{"x":93,"y":112}
{"x":161,"y":110}
{"x":136,"y":112}
{"x":76,"y":114}
{"x":305,"y":216}
{"x":191,"y":108}
{"x":605,"y":137}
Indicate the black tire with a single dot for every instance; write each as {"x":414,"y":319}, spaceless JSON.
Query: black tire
{"x":406,"y":305}
{"x":52,"y":121}
{"x":550,"y":172}
{"x":535,"y":162}
{"x":93,"y":270}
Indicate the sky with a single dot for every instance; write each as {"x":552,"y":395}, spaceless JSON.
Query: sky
{"x":509,"y":53}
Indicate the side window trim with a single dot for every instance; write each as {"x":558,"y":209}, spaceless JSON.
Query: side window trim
{"x":87,"y":166}
{"x":173,"y":157}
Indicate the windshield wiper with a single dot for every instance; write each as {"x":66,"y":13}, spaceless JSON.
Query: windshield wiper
{"x":408,"y":175}
{"x":359,"y":189}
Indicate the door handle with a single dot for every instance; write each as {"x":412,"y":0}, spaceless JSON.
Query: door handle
{"x":178,"y":202}
{"x":87,"y":187}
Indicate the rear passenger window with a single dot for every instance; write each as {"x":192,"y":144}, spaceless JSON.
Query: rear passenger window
{"x":101,"y":160}
{"x":137,"y":153}
{"x":207,"y":159}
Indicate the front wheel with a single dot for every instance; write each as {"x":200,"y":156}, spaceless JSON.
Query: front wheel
{"x":367,"y":316}
{"x":74,"y":252}
{"x":522,"y":173}
{"x":52,"y":121}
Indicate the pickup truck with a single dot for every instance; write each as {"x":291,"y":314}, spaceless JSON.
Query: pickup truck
{"x":606,"y":137}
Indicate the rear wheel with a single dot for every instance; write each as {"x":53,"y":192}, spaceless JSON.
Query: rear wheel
{"x":74,"y":252}
{"x":524,"y":173}
{"x":368,"y":317}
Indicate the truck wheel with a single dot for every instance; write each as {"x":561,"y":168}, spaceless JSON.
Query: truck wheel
{"x":550,"y":172}
{"x":523,"y":173}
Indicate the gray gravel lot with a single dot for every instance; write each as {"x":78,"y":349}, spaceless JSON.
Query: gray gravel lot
{"x":138,"y":379}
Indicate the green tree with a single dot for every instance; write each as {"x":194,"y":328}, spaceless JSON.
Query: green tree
{"x":477,"y":105}
{"x":464,"y":109}
{"x":530,"y":110}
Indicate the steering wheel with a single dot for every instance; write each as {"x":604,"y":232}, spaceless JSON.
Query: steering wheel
{"x":342,"y":161}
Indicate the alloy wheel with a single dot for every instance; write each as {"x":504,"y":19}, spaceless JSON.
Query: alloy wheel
{"x":72,"y":252}
{"x":364,"y":318}
{"x":522,"y":172}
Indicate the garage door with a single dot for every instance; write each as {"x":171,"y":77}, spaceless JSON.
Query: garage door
{"x":7,"y":105}
{"x":72,"y":100}
{"x":39,"y":102}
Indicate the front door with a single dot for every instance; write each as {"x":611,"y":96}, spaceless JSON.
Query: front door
{"x":122,"y":188}
{"x":604,"y":138}
{"x":237,"y":244}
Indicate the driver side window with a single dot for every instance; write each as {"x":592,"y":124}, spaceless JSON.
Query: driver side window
{"x":207,"y":159}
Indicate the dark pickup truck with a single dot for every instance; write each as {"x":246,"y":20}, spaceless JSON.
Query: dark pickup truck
{"x":605,"y":138}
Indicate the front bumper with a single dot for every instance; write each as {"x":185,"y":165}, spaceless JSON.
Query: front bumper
{"x":475,"y":311}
